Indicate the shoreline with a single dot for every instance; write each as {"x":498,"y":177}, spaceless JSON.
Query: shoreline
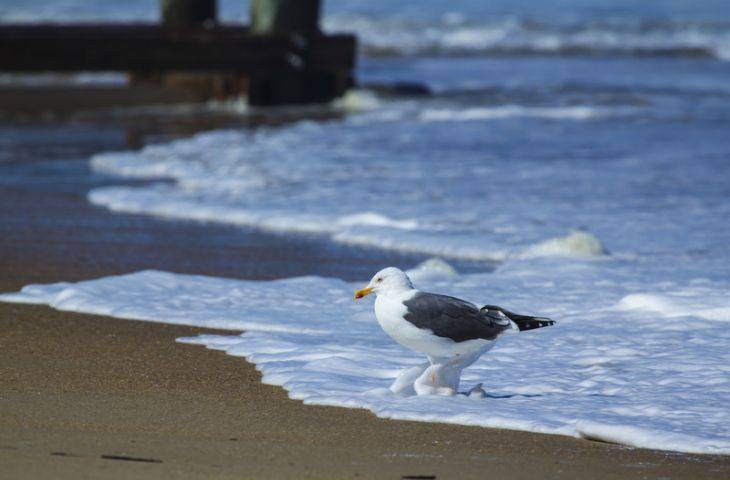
{"x":51,"y":233}
{"x":78,"y":388}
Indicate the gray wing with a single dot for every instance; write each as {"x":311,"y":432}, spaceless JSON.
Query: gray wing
{"x":453,"y":318}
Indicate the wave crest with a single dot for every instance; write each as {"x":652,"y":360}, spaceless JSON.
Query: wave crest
{"x":577,"y":244}
{"x":458,"y":36}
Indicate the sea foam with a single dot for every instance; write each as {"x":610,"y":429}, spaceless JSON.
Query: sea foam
{"x":606,"y":372}
{"x":342,"y":180}
{"x":509,"y":111}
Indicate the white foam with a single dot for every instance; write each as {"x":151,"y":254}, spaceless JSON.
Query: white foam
{"x":64,"y":79}
{"x":619,"y":375}
{"x":359,"y":181}
{"x":508,"y":111}
{"x":356,"y":100}
{"x":376,"y":220}
{"x":688,"y":302}
{"x":577,"y":244}
{"x":402,"y":35}
{"x":432,"y":270}
{"x":364,"y":181}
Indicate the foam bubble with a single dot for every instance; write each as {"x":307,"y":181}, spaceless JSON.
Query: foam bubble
{"x":431,"y":270}
{"x":356,"y":100}
{"x":577,"y":244}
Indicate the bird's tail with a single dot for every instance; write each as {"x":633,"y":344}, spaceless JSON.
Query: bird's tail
{"x":523,"y":322}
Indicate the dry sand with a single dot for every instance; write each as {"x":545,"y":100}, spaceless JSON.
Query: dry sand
{"x":92,"y":397}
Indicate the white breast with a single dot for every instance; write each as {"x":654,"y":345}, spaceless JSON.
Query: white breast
{"x":389,"y":310}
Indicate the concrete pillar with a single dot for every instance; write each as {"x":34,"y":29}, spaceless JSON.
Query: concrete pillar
{"x":188,"y":13}
{"x":184,"y":14}
{"x":285,"y":16}
{"x":300,"y":20}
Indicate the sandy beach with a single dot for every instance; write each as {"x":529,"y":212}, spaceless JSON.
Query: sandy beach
{"x":94,"y":397}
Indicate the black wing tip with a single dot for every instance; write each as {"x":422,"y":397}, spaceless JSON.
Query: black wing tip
{"x":523,"y":322}
{"x":537,"y":322}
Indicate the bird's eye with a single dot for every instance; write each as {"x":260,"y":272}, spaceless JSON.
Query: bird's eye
{"x":379,"y":280}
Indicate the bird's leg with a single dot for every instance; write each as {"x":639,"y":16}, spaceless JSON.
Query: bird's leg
{"x":452,"y":372}
{"x":427,"y":378}
{"x":434,"y":361}
{"x":454,"y":361}
{"x":404,"y":384}
{"x":465,"y":361}
{"x":437,"y":379}
{"x":444,"y":375}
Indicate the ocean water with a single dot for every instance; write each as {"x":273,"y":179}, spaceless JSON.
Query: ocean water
{"x":580,"y":148}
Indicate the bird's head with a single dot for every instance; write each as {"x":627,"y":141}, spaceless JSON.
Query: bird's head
{"x":387,"y":281}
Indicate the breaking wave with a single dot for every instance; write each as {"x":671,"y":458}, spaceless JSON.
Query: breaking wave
{"x":454,"y":35}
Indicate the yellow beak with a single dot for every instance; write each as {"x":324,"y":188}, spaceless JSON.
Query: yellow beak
{"x":361,"y":293}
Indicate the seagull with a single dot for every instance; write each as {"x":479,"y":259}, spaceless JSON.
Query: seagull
{"x":451,"y":332}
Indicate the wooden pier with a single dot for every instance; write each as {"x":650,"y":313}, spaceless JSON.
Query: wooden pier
{"x":281,"y":58}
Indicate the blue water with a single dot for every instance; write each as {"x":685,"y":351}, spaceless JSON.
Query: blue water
{"x":545,"y":118}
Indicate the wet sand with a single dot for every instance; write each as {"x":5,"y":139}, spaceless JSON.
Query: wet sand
{"x":93,"y":397}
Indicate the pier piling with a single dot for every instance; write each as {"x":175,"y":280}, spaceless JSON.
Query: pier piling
{"x":307,"y":83}
{"x":188,"y":13}
{"x":285,"y":16}
{"x":281,"y":58}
